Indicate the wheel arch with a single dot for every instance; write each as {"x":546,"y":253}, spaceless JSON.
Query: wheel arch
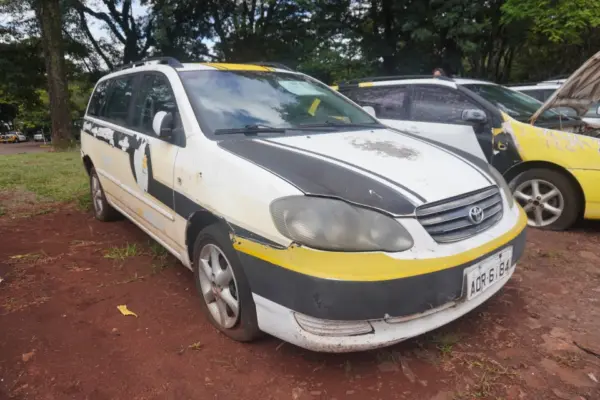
{"x":518,"y":169}
{"x":88,"y":164}
{"x":196,"y":222}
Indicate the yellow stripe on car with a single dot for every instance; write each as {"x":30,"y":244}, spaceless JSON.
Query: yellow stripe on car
{"x":367,"y":266}
{"x":238,"y":67}
{"x":365,"y":84}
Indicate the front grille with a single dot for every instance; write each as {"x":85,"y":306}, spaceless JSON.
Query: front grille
{"x":448,"y":220}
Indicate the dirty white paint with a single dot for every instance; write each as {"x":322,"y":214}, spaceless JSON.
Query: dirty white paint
{"x":429,"y":171}
{"x":140,"y":163}
{"x":124,"y":143}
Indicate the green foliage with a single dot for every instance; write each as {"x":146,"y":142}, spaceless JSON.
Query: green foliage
{"x":558,"y":20}
{"x":56,"y":176}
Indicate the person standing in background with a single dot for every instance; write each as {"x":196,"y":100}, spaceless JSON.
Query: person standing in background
{"x":438,"y":72}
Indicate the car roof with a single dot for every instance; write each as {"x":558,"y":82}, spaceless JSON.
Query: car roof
{"x":148,"y":66}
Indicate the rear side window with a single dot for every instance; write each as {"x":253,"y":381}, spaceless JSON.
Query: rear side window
{"x":438,"y":104}
{"x":154,"y":95}
{"x":117,"y":106}
{"x":98,"y":101}
{"x":537,"y":94}
{"x":389,"y":102}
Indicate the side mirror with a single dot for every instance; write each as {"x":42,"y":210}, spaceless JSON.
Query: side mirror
{"x":598,"y":110}
{"x":474,"y":115}
{"x":370,"y":110}
{"x":162,"y":124}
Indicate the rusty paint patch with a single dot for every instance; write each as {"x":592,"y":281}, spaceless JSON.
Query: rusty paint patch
{"x":386,"y":148}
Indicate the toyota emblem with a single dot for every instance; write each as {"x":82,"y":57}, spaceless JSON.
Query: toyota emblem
{"x":476,"y":215}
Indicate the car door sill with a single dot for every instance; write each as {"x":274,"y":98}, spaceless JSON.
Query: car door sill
{"x":170,"y":249}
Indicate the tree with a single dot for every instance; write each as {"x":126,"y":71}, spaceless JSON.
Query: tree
{"x":48,"y":14}
{"x":135,"y":34}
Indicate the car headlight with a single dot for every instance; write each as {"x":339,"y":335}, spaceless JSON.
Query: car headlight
{"x":501,"y":182}
{"x":329,"y":224}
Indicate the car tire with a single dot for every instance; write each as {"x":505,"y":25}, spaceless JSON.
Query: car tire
{"x":227,"y":284}
{"x":102,"y":210}
{"x":555,"y":192}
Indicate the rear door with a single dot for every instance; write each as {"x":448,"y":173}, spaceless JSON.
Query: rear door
{"x":389,"y":102}
{"x":436,"y":111}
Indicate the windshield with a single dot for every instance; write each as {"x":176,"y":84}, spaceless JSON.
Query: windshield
{"x":516,"y":104}
{"x":235,"y":100}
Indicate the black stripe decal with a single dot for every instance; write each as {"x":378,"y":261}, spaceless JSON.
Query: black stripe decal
{"x":354,"y":300}
{"x":479,"y":165}
{"x":318,"y":177}
{"x":388,"y":180}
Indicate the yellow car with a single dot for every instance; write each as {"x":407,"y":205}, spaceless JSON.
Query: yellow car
{"x":9,"y":138}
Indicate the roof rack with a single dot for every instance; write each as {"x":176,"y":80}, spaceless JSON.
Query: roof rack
{"x":395,"y":77}
{"x":173,"y":62}
{"x":271,"y":64}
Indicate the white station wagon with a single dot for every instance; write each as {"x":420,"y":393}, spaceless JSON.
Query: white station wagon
{"x":300,"y":214}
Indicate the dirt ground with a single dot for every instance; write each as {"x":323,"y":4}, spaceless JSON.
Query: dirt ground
{"x":25,"y":147}
{"x":62,"y":337}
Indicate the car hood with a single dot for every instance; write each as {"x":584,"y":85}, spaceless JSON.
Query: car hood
{"x":382,"y":169}
{"x":569,"y":150}
{"x":579,"y":92}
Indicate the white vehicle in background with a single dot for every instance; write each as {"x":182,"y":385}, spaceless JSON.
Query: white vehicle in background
{"x":20,"y":136}
{"x":542,"y":92}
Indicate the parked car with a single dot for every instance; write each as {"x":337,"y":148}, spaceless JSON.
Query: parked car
{"x":20,"y":136}
{"x":553,"y":174}
{"x":42,"y":137}
{"x":299,"y":213}
{"x":544,"y":90}
{"x":9,"y":137}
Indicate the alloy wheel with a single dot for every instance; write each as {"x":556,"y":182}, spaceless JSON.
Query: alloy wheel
{"x":541,"y":200}
{"x":218,"y":286}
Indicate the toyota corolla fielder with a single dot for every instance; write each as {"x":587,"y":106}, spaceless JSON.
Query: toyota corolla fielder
{"x":300,"y":215}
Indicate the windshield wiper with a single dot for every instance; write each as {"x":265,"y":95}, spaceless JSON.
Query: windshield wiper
{"x":253,"y":129}
{"x":336,"y":124}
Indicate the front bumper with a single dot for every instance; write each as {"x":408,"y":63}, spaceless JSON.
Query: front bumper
{"x":420,"y":301}
{"x":280,"y":322}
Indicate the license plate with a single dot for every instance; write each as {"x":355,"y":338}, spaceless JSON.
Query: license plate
{"x":489,"y":271}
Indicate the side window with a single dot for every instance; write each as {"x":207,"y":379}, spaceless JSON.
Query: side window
{"x":537,"y":94}
{"x":117,"y":106}
{"x":431,"y":103}
{"x":154,"y":95}
{"x":389,"y":102}
{"x":96,"y":107}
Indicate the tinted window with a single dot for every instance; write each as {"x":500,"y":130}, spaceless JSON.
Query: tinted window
{"x":153,"y":96}
{"x":536,"y":94}
{"x":117,"y":106}
{"x":516,"y":104}
{"x":226,"y":100}
{"x":389,"y":101}
{"x":439,"y":105}
{"x":96,"y":107}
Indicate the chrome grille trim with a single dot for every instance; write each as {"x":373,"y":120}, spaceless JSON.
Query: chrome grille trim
{"x":448,"y":220}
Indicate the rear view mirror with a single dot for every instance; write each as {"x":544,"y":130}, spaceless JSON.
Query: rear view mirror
{"x":474,"y":115}
{"x":370,"y":110}
{"x":162,"y":124}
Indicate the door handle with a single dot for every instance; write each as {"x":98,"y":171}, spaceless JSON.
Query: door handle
{"x":179,"y":181}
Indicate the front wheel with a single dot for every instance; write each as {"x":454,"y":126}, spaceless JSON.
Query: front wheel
{"x":222,"y":285}
{"x":549,"y":198}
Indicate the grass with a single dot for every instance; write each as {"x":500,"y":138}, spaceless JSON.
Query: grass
{"x":54,"y":177}
{"x":445,"y":342}
{"x":122,"y":253}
